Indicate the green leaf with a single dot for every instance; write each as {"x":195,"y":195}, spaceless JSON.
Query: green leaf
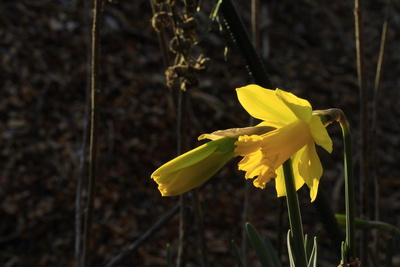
{"x":312,"y":261}
{"x":367,"y":224}
{"x":289,"y":245}
{"x":273,"y":253}
{"x":389,"y":253}
{"x":169,"y":256}
{"x":237,"y":254}
{"x":264,"y":256}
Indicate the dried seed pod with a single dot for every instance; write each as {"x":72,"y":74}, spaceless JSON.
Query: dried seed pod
{"x":171,"y":76}
{"x":187,"y":29}
{"x":202,"y":64}
{"x":161,"y":19}
{"x":189,"y":83}
{"x":180,"y":46}
{"x":191,"y":7}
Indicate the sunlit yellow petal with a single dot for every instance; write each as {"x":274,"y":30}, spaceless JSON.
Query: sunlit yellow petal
{"x":197,"y":174}
{"x":187,"y":159}
{"x":298,"y":179}
{"x":280,"y":182}
{"x":274,"y":124}
{"x":194,"y":167}
{"x":210,"y":136}
{"x":300,"y":107}
{"x":319,"y":133}
{"x":264,"y":104}
{"x":285,"y":141}
{"x":236,"y":132}
{"x":310,"y":169}
{"x":255,"y":165}
{"x":264,"y":154}
{"x":246,"y":144}
{"x":280,"y":179}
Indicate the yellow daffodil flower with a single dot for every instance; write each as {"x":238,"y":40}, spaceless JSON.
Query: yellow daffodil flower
{"x":288,"y":130}
{"x":297,"y":131}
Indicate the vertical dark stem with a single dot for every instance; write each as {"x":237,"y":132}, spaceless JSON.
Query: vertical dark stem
{"x":359,"y":29}
{"x":183,"y":199}
{"x":194,"y":195}
{"x":279,"y":227}
{"x":244,"y":220}
{"x":161,"y":39}
{"x":93,"y":162}
{"x":349,"y":190}
{"x":82,"y":160}
{"x":364,"y":156}
{"x":296,"y":225}
{"x":255,"y":25}
{"x":234,"y":25}
{"x":374,"y":131}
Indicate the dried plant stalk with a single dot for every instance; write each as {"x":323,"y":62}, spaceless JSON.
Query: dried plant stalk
{"x":93,"y":162}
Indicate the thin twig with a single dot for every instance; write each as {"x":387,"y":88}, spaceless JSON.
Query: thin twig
{"x":245,"y":220}
{"x":362,"y":83}
{"x":143,"y":238}
{"x":374,"y":131}
{"x":161,"y":38}
{"x":364,"y":148}
{"x":93,"y":162}
{"x":194,"y":195}
{"x":183,"y":215}
{"x":255,"y":23}
{"x":82,"y":160}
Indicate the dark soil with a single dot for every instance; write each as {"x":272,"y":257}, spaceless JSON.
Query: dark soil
{"x":308,"y":48}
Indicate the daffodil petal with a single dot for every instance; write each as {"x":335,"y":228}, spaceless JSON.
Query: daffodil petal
{"x":255,"y":165}
{"x":236,"y":132}
{"x":310,"y":168}
{"x":280,"y":182}
{"x":264,"y":104}
{"x":274,"y":124}
{"x":195,"y":175}
{"x":210,"y":136}
{"x":319,"y":134}
{"x":246,"y":145}
{"x":280,"y":179}
{"x":284,"y":142}
{"x":188,"y":158}
{"x":300,"y":107}
{"x":298,"y":179}
{"x":194,"y":167}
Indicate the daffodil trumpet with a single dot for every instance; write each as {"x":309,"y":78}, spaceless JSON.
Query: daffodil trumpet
{"x":289,"y":129}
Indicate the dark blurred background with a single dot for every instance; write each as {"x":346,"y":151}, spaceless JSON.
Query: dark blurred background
{"x":309,"y":49}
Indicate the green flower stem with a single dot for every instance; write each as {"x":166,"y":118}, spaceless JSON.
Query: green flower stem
{"x":327,"y":117}
{"x":349,"y":188}
{"x":296,"y":227}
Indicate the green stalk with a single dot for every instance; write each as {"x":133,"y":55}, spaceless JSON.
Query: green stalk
{"x":296,"y":227}
{"x":349,"y":188}
{"x":327,"y":117}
